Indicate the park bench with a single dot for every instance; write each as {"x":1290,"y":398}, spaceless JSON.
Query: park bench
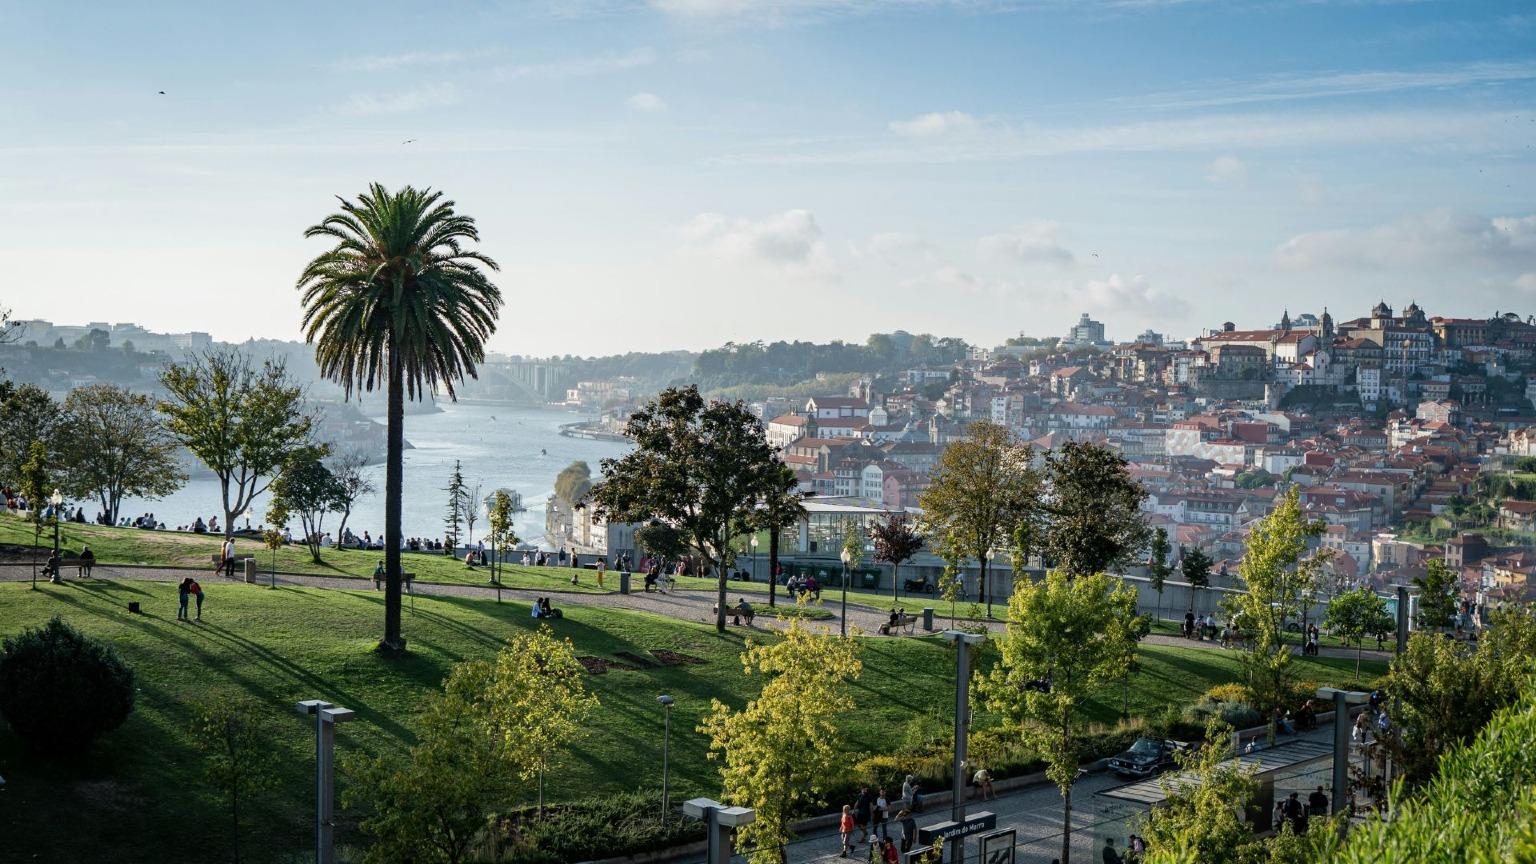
{"x":904,"y":623}
{"x":735,"y":613}
{"x":70,"y":561}
{"x":406,"y":578}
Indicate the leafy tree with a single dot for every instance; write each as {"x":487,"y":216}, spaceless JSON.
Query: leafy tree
{"x":453,"y":517}
{"x":308,"y":488}
{"x":1201,"y":818}
{"x":272,"y":538}
{"x":896,"y":543}
{"x":239,"y":748}
{"x":981,"y":488}
{"x":1079,"y":634}
{"x":573,"y":483}
{"x":779,"y":510}
{"x":398,"y":302}
{"x":503,"y":530}
{"x":37,"y":475}
{"x":701,"y":468}
{"x":240,"y":421}
{"x":1437,"y":595}
{"x":61,"y":690}
{"x":27,"y":414}
{"x":1195,"y":567}
{"x":1093,"y":517}
{"x":780,"y":751}
{"x":1277,"y":578}
{"x":1355,"y":614}
{"x":660,"y":540}
{"x":353,"y":483}
{"x":114,"y":446}
{"x":1158,"y":568}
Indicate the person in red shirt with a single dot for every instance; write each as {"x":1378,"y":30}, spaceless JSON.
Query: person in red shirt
{"x":888,"y":853}
{"x":845,"y":828}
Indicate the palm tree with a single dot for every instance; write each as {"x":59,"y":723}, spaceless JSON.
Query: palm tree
{"x":398,"y":302}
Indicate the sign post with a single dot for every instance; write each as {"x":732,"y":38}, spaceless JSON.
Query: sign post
{"x":997,"y":847}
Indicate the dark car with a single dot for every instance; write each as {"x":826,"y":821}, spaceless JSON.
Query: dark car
{"x":1146,"y":757}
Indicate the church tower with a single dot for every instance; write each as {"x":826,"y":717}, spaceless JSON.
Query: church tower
{"x":1327,"y":324}
{"x":1285,"y":320}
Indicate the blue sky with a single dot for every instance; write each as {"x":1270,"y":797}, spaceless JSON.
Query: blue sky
{"x":680,"y":173}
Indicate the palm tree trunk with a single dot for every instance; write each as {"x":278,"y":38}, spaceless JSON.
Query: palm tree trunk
{"x":393,"y":486}
{"x":773,"y":565}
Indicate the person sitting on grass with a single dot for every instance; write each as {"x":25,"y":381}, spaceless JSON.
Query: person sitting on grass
{"x":548,"y":611}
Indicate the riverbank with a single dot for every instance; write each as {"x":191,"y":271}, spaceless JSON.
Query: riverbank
{"x":586,"y":430}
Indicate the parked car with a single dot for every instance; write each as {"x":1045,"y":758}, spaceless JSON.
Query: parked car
{"x":1146,"y":757}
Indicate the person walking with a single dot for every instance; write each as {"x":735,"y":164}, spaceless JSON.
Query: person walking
{"x":908,"y":829}
{"x":845,"y":829}
{"x":196,"y":591}
{"x":862,"y":807}
{"x":1111,"y":856}
{"x":183,"y":591}
{"x":888,"y":853}
{"x":602,"y":567}
{"x":880,"y":814}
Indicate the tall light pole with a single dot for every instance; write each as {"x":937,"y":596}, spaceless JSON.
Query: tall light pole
{"x":754,"y":559}
{"x":326,"y":717}
{"x":963,"y":642}
{"x":57,"y":500}
{"x":843,"y":619}
{"x":666,"y":746}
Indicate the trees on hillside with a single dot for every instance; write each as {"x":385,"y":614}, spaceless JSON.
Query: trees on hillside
{"x":780,"y":751}
{"x":700,"y":467}
{"x":1201,"y":818}
{"x":573,"y":483}
{"x":453,"y":517}
{"x":981,"y":488}
{"x":1195,"y":567}
{"x":1093,"y":522}
{"x":113,"y":446}
{"x":896,"y":542}
{"x":503,"y":532}
{"x":1079,"y":635}
{"x":398,"y":302}
{"x":238,"y":419}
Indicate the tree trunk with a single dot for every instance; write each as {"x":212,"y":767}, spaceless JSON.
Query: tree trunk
{"x":895,"y":580}
{"x":393,"y":475}
{"x":229,"y":516}
{"x":720,"y":594}
{"x":982,"y":578}
{"x":773,"y":565}
{"x":1066,"y":825}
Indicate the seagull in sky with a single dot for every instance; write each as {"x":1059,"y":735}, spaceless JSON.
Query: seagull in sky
{"x":409,"y":141}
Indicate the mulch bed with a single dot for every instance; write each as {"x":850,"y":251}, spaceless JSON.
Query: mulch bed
{"x":640,"y":662}
{"x":672,"y":658}
{"x":601,"y":665}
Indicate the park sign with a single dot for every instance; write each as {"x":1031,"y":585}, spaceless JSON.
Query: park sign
{"x":974,"y":824}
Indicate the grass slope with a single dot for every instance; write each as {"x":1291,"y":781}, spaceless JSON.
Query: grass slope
{"x":138,"y":795}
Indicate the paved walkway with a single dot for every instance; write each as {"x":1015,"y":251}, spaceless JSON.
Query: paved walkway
{"x":686,"y":604}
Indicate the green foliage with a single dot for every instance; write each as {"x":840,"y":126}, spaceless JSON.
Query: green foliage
{"x":782,"y":749}
{"x":27,"y":414}
{"x":1437,"y":595}
{"x":353,"y":484}
{"x":307,"y":488}
{"x":238,"y":746}
{"x":499,"y":519}
{"x":660,"y":540}
{"x":701,"y":468}
{"x":597,"y":828}
{"x":1092,"y":511}
{"x":1195,"y":567}
{"x":573,"y":483}
{"x":61,"y":690}
{"x":853,"y":544}
{"x":114,"y":446}
{"x":37,"y":476}
{"x":1254,"y":479}
{"x":789,"y":362}
{"x":240,"y":421}
{"x":453,"y":517}
{"x":1355,"y":614}
{"x":1202,"y":817}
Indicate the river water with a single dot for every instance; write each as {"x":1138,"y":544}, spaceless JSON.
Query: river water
{"x":518,"y":448}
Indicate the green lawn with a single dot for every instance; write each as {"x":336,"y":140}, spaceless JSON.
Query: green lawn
{"x":137,"y":795}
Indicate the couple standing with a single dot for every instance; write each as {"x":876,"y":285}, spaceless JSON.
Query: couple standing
{"x":189,"y":587}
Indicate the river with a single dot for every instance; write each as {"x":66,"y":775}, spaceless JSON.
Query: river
{"x":519,"y":448}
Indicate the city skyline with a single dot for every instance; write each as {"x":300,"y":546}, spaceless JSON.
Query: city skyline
{"x":683,"y":173}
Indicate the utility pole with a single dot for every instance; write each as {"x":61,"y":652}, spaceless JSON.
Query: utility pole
{"x":963,"y":642}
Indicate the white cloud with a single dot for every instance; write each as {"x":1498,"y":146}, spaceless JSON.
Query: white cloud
{"x":414,"y":99}
{"x":896,"y":249}
{"x":1526,"y":282}
{"x":934,"y":125}
{"x":1320,"y":85}
{"x":791,"y":239}
{"x":1130,"y":298}
{"x":1036,"y":243}
{"x":646,"y":102}
{"x":1227,"y":171}
{"x":581,"y":67}
{"x":1442,"y":237}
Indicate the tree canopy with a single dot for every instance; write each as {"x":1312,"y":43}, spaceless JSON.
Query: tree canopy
{"x":113,"y":446}
{"x":1092,"y":510}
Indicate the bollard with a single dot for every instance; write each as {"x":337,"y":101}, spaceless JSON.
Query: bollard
{"x":624,"y":582}
{"x":250,"y":571}
{"x":928,"y":618}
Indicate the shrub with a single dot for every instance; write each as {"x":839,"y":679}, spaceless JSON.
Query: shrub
{"x":1238,"y":715}
{"x":596,"y":828}
{"x":60,"y":690}
{"x":1232,"y":692}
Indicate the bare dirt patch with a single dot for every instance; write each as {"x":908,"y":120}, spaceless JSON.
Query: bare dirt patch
{"x":639,"y":661}
{"x":601,"y":665}
{"x":672,"y":658}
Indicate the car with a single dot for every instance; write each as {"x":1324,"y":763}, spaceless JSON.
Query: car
{"x":1146,"y":757}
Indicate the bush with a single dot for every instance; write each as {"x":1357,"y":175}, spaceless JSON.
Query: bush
{"x":1227,"y":693}
{"x":596,"y":828}
{"x":1238,"y":715}
{"x":60,"y":690}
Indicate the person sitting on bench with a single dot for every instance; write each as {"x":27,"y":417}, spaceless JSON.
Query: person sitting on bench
{"x":741,"y":610}
{"x":51,"y":568}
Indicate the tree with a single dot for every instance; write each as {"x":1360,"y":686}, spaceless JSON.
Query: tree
{"x":1195,"y":567}
{"x":980,"y":489}
{"x":1355,"y":614}
{"x":660,"y":540}
{"x":896,"y":542}
{"x":37,"y":475}
{"x":453,"y":517}
{"x":1092,"y":510}
{"x":472,"y":499}
{"x":353,"y":484}
{"x":114,"y":446}
{"x":781,"y":508}
{"x":1437,"y":596}
{"x":240,"y":421}
{"x":239,"y":748}
{"x":398,"y":302}
{"x":308,"y":488}
{"x":1080,"y":635}
{"x":503,"y":531}
{"x":10,"y":331}
{"x":573,"y":483}
{"x":272,"y":538}
{"x":701,"y":468}
{"x":780,"y":751}
{"x":60,"y":690}
{"x":1277,"y":578}
{"x":1158,"y":568}
{"x":27,"y":414}
{"x":1201,"y":818}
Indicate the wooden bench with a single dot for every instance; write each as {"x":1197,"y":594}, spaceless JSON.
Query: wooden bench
{"x":406,"y":578}
{"x":71,"y":561}
{"x":735,"y":613}
{"x":904,"y":622}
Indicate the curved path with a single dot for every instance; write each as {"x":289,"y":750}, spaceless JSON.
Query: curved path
{"x":695,"y":605}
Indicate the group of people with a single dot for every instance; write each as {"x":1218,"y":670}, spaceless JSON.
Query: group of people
{"x":1290,"y":810}
{"x":55,"y":562}
{"x":1199,"y":626}
{"x":542,"y":609}
{"x":871,"y":814}
{"x":1135,"y":847}
{"x":805,"y":585}
{"x":188,"y":588}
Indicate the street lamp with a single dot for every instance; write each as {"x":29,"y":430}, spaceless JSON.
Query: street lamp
{"x":57,"y":500}
{"x":666,"y":746}
{"x":843,"y":619}
{"x":963,"y":642}
{"x":1342,"y":699}
{"x":326,"y":717}
{"x":754,"y":559}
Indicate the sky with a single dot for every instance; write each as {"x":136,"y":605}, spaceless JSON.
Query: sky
{"x":662,"y":174}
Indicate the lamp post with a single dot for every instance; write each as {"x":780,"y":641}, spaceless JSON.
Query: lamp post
{"x":326,"y":717}
{"x":57,"y":500}
{"x":963,"y":642}
{"x":1342,"y":699}
{"x":843,"y":619}
{"x":754,"y":558}
{"x":666,"y":746}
